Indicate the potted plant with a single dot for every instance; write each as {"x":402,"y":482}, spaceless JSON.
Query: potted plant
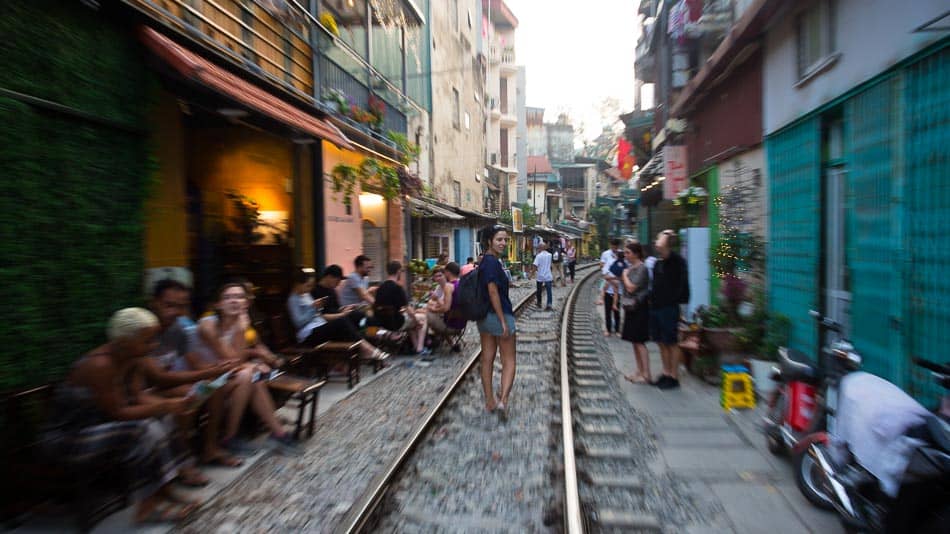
{"x":691,"y":200}
{"x":719,"y":330}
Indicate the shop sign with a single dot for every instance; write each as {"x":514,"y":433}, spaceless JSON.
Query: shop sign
{"x":517,"y":220}
{"x":674,"y":169}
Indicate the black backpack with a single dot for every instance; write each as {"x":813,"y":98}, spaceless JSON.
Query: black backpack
{"x":472,"y":300}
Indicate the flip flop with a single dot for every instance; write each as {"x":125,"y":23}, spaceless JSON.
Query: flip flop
{"x":224,"y":460}
{"x":636,"y":379}
{"x":168,"y":512}
{"x":193,"y":480}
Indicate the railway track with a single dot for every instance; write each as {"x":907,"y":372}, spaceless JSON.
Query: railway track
{"x":465,"y":469}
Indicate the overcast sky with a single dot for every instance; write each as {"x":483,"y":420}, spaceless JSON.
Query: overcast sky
{"x":577,"y":54}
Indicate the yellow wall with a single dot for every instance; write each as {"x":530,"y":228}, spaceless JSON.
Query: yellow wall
{"x":252,"y":163}
{"x":166,"y":235}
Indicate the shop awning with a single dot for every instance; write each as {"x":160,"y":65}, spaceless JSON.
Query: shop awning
{"x":196,"y":68}
{"x":421,"y":208}
{"x":654,"y":167}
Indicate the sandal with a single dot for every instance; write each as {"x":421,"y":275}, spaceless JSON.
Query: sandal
{"x":636,"y":379}
{"x":193,"y":479}
{"x":168,"y":512}
{"x":223,"y":460}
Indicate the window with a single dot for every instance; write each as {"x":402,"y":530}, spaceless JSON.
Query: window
{"x":457,"y":192}
{"x":456,"y":108}
{"x":435,"y":245}
{"x":816,"y":44}
{"x":468,"y":121}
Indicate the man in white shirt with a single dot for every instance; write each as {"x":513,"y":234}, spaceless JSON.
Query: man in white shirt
{"x":611,"y":290}
{"x":543,"y":277}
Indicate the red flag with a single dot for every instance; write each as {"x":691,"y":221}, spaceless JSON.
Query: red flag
{"x":625,"y":159}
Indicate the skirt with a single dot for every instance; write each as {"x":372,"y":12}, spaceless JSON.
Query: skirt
{"x":636,"y":324}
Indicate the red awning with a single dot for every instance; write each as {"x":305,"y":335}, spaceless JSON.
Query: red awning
{"x":196,"y":68}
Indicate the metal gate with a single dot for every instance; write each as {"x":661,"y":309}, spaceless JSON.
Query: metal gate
{"x":793,"y":251}
{"x":874,"y":230}
{"x":926,"y":219}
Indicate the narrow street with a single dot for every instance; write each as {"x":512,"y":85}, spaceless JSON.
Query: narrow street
{"x":249,"y":250}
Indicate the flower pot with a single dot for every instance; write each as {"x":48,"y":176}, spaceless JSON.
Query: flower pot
{"x":761,"y":374}
{"x":722,"y":340}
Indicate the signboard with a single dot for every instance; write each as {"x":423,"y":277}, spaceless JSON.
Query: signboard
{"x":674,"y":169}
{"x":517,"y":220}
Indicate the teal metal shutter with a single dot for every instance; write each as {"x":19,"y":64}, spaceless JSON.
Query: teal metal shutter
{"x":793,"y":250}
{"x":873,"y":226}
{"x":927,"y":217}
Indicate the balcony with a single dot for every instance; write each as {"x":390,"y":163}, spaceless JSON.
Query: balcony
{"x":508,"y":66}
{"x":274,"y":41}
{"x":645,"y":62}
{"x":714,"y":23}
{"x":269,"y":39}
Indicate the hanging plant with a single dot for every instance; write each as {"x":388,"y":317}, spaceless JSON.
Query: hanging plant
{"x":371,"y":173}
{"x":344,"y":179}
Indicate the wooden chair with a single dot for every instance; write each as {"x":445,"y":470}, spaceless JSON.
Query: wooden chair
{"x":314,"y":361}
{"x":305,"y":391}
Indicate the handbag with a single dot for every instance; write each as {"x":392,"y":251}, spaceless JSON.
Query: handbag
{"x":629,"y":302}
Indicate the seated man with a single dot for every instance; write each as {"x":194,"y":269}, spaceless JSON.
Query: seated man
{"x":170,"y":375}
{"x":442,"y":308}
{"x":391,"y":308}
{"x":326,"y":288}
{"x":104,"y":418}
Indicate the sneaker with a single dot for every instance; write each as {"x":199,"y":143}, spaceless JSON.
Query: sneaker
{"x":283,"y":445}
{"x":548,"y":308}
{"x":660,"y":381}
{"x":671,"y":383}
{"x":240,"y":447}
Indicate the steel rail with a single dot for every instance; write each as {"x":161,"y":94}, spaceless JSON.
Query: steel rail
{"x":573,"y":518}
{"x":356,"y":519}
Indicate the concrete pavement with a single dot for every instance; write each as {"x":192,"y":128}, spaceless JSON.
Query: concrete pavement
{"x":720,"y":455}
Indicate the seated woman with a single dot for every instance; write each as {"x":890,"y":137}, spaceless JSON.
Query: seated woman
{"x":102,"y":418}
{"x":221,"y":338}
{"x":313,"y":327}
{"x":391,"y":309}
{"x":440,"y":308}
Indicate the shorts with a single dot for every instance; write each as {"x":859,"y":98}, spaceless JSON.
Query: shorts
{"x":491,"y":325}
{"x":664,"y":324}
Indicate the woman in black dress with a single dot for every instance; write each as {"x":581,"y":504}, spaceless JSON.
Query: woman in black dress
{"x":636,"y":321}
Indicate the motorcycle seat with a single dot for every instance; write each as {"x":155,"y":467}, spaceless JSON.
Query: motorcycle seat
{"x":796,"y":367}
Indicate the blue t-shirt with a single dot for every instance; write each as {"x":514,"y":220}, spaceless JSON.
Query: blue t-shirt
{"x":618,"y":267}
{"x":491,"y":270}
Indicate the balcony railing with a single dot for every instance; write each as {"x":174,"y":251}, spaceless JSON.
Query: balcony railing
{"x":332,"y":76}
{"x":270,"y":42}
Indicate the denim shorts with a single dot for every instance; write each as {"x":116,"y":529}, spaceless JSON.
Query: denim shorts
{"x":491,"y":325}
{"x":664,"y":324}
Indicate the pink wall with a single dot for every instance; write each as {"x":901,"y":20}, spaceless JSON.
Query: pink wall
{"x":344,"y":233}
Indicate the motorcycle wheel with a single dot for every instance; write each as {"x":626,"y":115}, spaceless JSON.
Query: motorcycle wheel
{"x":773,"y":435}
{"x":807,"y":474}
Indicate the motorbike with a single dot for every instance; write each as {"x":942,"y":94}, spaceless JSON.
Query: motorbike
{"x":804,"y":402}
{"x":885,"y":465}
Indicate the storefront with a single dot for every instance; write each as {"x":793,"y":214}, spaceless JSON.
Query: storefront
{"x":233,"y":194}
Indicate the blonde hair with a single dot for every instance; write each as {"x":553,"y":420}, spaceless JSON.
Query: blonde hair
{"x":128,"y":322}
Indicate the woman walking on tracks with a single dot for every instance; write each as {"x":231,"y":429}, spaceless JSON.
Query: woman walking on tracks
{"x":497,"y":329}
